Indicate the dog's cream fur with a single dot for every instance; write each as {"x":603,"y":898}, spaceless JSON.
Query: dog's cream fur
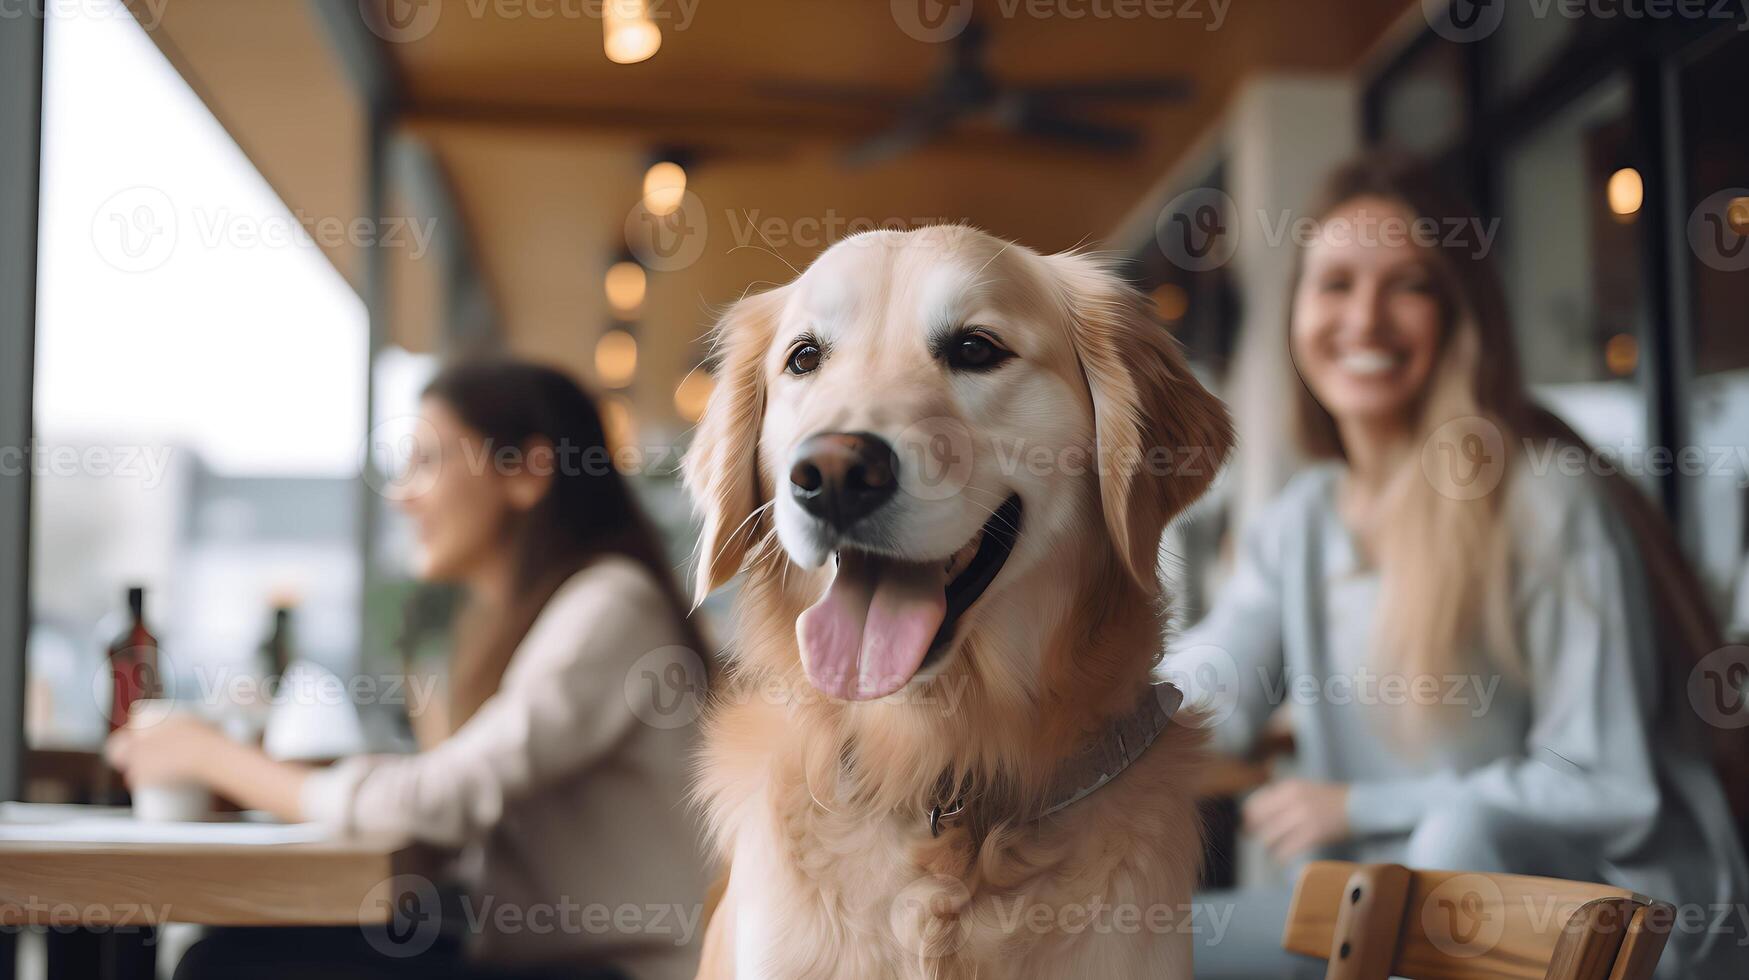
{"x":1101,"y":429}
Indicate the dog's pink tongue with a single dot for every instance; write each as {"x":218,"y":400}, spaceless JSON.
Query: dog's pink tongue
{"x":867,"y":636}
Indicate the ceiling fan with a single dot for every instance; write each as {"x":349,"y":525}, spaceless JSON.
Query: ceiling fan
{"x":964,"y":89}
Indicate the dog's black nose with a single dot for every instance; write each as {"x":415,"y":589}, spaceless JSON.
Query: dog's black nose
{"x":841,"y":476}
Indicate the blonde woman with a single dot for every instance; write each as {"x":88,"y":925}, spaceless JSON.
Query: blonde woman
{"x":1484,"y":657}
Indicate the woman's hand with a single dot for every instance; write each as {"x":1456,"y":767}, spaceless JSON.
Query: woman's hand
{"x":1293,"y":816}
{"x":180,"y":749}
{"x":173,"y":750}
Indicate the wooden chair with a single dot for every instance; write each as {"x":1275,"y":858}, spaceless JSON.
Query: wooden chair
{"x":1374,"y":921}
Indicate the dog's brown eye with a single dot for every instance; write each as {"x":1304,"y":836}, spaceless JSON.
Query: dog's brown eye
{"x":975,"y":352}
{"x":803,"y":360}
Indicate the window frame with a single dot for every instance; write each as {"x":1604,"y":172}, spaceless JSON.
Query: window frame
{"x":1651,"y":56}
{"x":21,"y":62}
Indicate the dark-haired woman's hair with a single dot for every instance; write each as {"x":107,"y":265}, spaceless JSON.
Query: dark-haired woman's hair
{"x":1448,"y":557}
{"x":587,"y":513}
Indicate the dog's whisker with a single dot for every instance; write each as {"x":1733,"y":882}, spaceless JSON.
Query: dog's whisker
{"x":758,"y":548}
{"x":753,"y":515}
{"x":973,"y":490}
{"x":993,"y":511}
{"x":1000,"y":500}
{"x":810,"y":788}
{"x":768,"y":251}
{"x":696,"y":555}
{"x":764,"y":549}
{"x":770,"y":248}
{"x":992,"y":258}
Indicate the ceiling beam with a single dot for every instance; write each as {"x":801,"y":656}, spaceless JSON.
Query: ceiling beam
{"x":686,"y":125}
{"x":470,"y":315}
{"x":469,"y":310}
{"x":741,"y":134}
{"x":360,"y":52}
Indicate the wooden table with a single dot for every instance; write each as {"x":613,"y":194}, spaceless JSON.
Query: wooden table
{"x":117,"y":883}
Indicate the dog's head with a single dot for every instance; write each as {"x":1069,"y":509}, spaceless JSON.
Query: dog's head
{"x":929,"y":419}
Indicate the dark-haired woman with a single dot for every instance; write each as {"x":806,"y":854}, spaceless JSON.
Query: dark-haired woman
{"x":561,"y":785}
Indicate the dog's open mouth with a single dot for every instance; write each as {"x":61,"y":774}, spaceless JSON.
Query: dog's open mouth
{"x":882,"y":619}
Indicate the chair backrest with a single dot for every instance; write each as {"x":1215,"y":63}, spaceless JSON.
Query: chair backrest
{"x":1375,"y":921}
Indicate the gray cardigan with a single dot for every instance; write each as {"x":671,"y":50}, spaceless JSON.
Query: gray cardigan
{"x":1586,"y":744}
{"x":565,"y":792}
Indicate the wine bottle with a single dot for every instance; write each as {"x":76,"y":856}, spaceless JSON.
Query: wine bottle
{"x":133,"y":662}
{"x":275,"y":652}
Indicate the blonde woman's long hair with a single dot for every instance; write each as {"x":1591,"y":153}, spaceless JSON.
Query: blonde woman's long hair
{"x":1432,"y":612}
{"x":1445,"y":558}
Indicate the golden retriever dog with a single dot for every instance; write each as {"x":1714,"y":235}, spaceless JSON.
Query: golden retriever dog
{"x":944,"y":463}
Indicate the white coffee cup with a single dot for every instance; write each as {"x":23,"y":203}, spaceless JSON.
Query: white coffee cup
{"x":172,"y":801}
{"x":168,"y":801}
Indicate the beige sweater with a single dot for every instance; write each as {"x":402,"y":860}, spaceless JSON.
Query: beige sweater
{"x":565,"y":791}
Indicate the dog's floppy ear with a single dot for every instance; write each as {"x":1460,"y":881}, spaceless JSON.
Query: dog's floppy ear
{"x":1161,"y":437}
{"x":721,"y":468}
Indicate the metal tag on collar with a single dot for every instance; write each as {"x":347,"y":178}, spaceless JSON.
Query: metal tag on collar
{"x":937,"y":815}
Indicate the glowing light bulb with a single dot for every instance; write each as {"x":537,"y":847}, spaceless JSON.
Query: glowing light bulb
{"x":616,"y":358}
{"x":693,"y":392}
{"x":1737,"y":215}
{"x":628,"y":34}
{"x":619,"y":422}
{"x":1622,"y":354}
{"x":1172,"y":302}
{"x":1625,"y":192}
{"x":664,"y":186}
{"x":625,"y":285}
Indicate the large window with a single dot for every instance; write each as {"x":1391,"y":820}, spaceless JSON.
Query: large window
{"x":1424,"y":109}
{"x":1624,"y":208}
{"x":1715,"y":228}
{"x":200,"y":389}
{"x":1570,"y":197}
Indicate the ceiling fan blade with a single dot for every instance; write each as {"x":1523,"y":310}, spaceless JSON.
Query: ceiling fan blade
{"x":964,"y":57}
{"x":1113,"y":89}
{"x":913,"y":132}
{"x":862,"y":96}
{"x":1062,"y":128}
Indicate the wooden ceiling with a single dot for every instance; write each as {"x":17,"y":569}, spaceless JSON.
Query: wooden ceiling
{"x":544,"y":140}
